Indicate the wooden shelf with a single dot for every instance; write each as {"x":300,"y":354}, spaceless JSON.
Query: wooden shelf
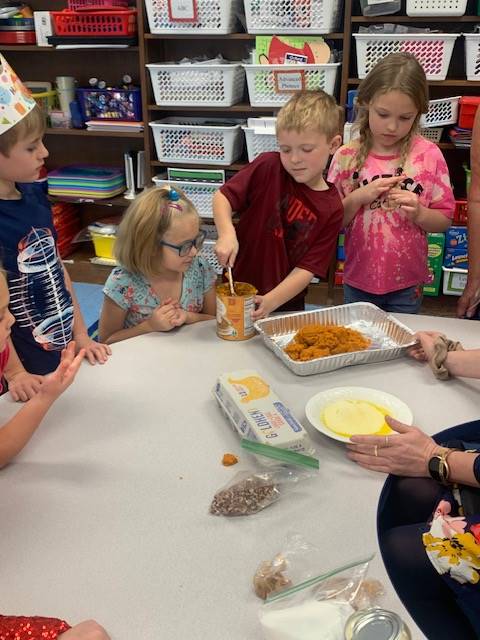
{"x":427,"y":19}
{"x":241,"y":107}
{"x":236,"y":166}
{"x":117,"y":201}
{"x":219,"y":36}
{"x":93,"y":134}
{"x":33,"y":48}
{"x":449,"y":82}
{"x":81,"y":269}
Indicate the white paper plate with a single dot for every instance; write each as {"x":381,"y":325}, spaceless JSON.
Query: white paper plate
{"x":316,"y":405}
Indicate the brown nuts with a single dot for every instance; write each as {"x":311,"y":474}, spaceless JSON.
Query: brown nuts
{"x":247,"y":496}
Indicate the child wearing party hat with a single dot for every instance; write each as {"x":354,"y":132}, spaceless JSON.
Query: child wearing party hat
{"x":42,"y":301}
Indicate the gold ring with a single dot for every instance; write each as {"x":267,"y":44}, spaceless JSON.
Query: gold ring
{"x":375,"y":451}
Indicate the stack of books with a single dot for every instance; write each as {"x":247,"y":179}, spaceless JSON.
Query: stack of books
{"x":84,"y":181}
{"x":114,"y":125}
{"x":461,"y":138}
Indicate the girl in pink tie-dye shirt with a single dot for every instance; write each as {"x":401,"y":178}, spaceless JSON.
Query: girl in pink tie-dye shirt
{"x":395,"y":189}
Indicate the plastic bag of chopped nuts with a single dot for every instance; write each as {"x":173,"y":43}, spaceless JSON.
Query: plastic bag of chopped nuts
{"x":251,"y":491}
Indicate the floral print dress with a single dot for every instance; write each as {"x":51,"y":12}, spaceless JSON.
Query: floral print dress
{"x":133,"y":292}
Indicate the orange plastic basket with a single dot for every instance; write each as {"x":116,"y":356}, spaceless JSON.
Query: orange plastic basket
{"x":98,"y":23}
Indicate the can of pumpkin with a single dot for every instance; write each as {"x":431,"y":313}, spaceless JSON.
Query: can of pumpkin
{"x":234,"y":313}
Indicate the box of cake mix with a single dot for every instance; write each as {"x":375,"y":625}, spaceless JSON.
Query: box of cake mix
{"x":257,"y":413}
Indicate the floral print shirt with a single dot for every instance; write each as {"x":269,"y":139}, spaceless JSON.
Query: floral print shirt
{"x":133,"y":292}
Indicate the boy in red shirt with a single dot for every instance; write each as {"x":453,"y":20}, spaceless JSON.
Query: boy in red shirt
{"x":289,"y":215}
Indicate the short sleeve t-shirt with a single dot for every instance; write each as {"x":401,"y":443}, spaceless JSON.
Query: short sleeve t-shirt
{"x":384,"y":250}
{"x":283,"y":224}
{"x":39,"y":300}
{"x":133,"y":292}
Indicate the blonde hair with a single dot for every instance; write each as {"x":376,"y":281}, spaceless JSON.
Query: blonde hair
{"x":396,"y":72}
{"x":310,"y":110}
{"x":31,"y":126}
{"x":144,"y":224}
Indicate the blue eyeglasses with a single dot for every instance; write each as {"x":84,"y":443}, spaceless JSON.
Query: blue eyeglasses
{"x":185,"y":248}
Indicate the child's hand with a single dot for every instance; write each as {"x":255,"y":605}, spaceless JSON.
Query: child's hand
{"x":372,"y":191}
{"x":94,"y":351}
{"x":23,"y":385}
{"x":226,"y":249}
{"x":407,"y":201}
{"x":164,"y":317}
{"x":55,"y":383}
{"x":180,"y":317}
{"x":88,"y":630}
{"x":264,"y":307}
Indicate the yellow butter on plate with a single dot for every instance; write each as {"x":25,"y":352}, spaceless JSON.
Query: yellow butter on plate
{"x":356,"y":417}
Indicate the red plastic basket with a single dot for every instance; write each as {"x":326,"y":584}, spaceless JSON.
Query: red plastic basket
{"x":96,"y":5}
{"x":98,"y":23}
{"x":461,"y":212}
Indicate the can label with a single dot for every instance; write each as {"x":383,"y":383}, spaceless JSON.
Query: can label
{"x":234,"y":313}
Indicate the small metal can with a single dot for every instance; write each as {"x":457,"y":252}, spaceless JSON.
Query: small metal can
{"x":376,"y":624}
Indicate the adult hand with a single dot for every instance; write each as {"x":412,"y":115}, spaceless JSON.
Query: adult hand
{"x":226,"y":249}
{"x":469,"y":300}
{"x":23,"y":385}
{"x":93,"y":351}
{"x":404,"y":453}
{"x":264,"y":307}
{"x":88,"y":630}
{"x":405,"y":200}
{"x":424,"y":350}
{"x":55,"y":383}
{"x":376,"y":188}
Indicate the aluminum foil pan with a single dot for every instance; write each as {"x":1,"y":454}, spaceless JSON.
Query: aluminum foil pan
{"x":390,"y":338}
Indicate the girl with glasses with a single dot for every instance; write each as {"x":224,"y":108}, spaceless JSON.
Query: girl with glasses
{"x":161,"y":281}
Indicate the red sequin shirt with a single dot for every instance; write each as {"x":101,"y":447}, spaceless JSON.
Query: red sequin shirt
{"x":31,"y":628}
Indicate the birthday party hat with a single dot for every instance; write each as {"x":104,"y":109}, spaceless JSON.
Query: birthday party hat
{"x":15,"y":99}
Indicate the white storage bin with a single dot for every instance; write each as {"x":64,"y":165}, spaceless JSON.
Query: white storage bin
{"x":213,"y":16}
{"x":260,"y":136}
{"x":192,"y":141}
{"x":200,"y":193}
{"x":436,"y":7}
{"x":472,"y":55}
{"x":272,"y":85}
{"x":292,"y":16}
{"x":441,"y":112}
{"x":433,"y":50}
{"x":454,"y":281}
{"x":208,"y":252}
{"x":433,"y":134}
{"x":216,"y":85}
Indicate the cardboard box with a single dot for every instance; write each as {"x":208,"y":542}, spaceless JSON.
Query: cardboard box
{"x":436,"y":242}
{"x":456,"y":238}
{"x":455,"y":258}
{"x":43,"y":27}
{"x":257,"y":413}
{"x":454,"y":281}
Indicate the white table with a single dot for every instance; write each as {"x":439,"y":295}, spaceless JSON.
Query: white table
{"x":105,"y":513}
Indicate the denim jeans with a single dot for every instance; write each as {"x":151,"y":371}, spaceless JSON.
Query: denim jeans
{"x":402,"y":301}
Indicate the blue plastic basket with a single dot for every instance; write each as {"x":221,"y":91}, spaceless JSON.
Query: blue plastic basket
{"x":110,"y":104}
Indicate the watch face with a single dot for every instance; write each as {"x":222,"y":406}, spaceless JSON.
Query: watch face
{"x":434,"y":466}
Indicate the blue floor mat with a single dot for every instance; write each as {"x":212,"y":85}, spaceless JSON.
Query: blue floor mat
{"x":90,"y":299}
